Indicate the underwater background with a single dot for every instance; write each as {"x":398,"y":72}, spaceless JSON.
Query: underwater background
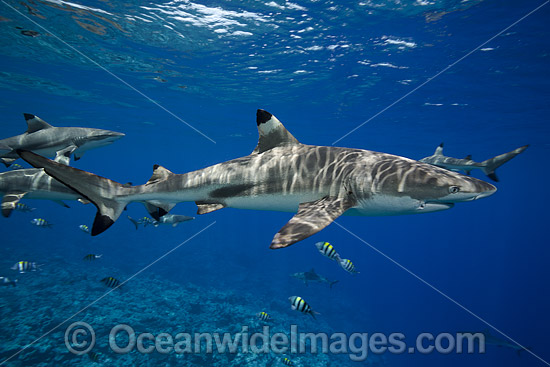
{"x":183,"y":80}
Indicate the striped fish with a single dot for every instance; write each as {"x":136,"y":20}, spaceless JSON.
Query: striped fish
{"x":111,"y":282}
{"x":23,"y":266}
{"x":327,"y":250}
{"x":264,"y":316}
{"x":41,"y":223}
{"x":21,"y":207}
{"x":298,"y":303}
{"x":348,"y":266}
{"x":287,"y":362}
{"x":84,"y":228}
{"x":91,"y":257}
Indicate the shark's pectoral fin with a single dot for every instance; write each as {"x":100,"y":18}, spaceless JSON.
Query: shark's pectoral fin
{"x":35,"y":123}
{"x":272,"y":133}
{"x":63,"y":156}
{"x":310,"y":219}
{"x":9,"y":202}
{"x":60,"y":202}
{"x":203,"y":208}
{"x":78,"y":155}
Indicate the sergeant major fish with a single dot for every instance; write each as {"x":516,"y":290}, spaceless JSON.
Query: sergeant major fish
{"x":327,"y":250}
{"x":298,"y":303}
{"x":23,"y":266}
{"x":348,"y":266}
{"x":40,"y":222}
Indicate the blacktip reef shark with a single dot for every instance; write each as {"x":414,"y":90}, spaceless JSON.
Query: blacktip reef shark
{"x":47,"y":140}
{"x":312,"y":276}
{"x":34,"y":183}
{"x":319,"y":183}
{"x":467,"y":164}
{"x":493,"y":340}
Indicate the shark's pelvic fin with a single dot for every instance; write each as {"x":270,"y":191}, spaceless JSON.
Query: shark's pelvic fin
{"x":203,"y":208}
{"x":101,"y":191}
{"x":9,"y":202}
{"x":35,"y":123}
{"x":272,"y":133}
{"x":157,"y":209}
{"x":310,"y":219}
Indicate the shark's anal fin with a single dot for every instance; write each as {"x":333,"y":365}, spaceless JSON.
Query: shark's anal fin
{"x":35,"y":123}
{"x":9,"y":202}
{"x":272,"y":133}
{"x":310,"y":219}
{"x":203,"y":208}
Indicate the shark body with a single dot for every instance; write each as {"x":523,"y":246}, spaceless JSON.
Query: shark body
{"x":34,"y":183}
{"x":312,"y":276}
{"x":320,"y":183}
{"x":493,"y":340}
{"x":488,"y":166}
{"x":45,"y":139}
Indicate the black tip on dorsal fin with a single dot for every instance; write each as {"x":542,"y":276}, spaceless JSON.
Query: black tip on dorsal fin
{"x":468,"y":157}
{"x":28,"y":116}
{"x":441,"y":145}
{"x":155,"y":166}
{"x":262,"y":117}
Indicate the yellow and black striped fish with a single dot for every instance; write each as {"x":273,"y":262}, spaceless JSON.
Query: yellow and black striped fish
{"x":264,"y":316}
{"x":327,"y":250}
{"x":23,"y":266}
{"x":298,"y":303}
{"x":111,"y":282}
{"x":91,"y":257}
{"x":348,"y":266}
{"x":40,"y":222}
{"x":287,"y":362}
{"x":94,"y":357}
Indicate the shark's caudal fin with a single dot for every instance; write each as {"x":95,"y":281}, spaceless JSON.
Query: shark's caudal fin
{"x":492,"y":164}
{"x":134,"y":221}
{"x":102,"y":192}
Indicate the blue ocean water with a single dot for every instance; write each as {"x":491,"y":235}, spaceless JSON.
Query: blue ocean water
{"x":183,"y":80}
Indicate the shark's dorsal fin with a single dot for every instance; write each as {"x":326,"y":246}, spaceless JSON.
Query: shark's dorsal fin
{"x":468,"y":157}
{"x":35,"y":123}
{"x":272,"y":133}
{"x":159,"y":174}
{"x":439,"y":150}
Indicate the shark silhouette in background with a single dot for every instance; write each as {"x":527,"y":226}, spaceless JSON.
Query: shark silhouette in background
{"x":47,"y":140}
{"x":488,"y":166}
{"x":319,"y":183}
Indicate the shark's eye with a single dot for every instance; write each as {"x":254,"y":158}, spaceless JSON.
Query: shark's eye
{"x":454,"y":189}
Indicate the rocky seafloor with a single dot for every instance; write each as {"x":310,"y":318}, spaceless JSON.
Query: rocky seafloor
{"x":36,"y":313}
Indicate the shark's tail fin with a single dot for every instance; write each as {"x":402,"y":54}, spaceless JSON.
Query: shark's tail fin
{"x":490,"y":165}
{"x":134,"y":221}
{"x":102,"y":192}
